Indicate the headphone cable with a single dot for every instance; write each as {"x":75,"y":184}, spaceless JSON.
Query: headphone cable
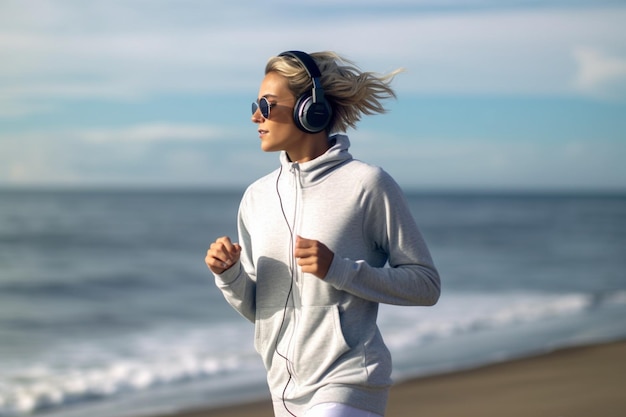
{"x":289,"y":294}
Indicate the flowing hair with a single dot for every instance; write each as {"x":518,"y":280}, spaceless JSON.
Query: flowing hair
{"x":350,"y":92}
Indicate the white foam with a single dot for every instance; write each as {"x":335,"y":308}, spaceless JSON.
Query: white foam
{"x":110,"y":368}
{"x":136,"y":364}
{"x":617,"y":298}
{"x":463,"y":313}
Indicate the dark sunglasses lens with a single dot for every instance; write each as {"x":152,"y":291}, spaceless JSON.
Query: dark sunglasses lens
{"x":262,"y":105}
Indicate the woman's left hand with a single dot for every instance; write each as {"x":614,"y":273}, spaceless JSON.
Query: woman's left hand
{"x":313,"y":256}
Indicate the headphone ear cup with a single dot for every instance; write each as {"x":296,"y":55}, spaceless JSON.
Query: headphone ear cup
{"x":309,"y":116}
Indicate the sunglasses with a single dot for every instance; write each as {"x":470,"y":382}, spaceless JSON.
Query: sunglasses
{"x":263,"y":105}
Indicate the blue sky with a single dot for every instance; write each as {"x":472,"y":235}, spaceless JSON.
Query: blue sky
{"x":513,"y":95}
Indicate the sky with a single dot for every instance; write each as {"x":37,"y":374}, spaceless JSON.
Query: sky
{"x":496,"y":94}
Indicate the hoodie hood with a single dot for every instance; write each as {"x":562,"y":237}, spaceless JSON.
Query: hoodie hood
{"x":315,"y":171}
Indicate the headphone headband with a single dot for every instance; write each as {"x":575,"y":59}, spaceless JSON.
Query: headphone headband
{"x":312,"y":70}
{"x":305,"y":59}
{"x":312,"y":112}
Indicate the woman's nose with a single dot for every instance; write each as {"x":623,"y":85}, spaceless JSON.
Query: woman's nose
{"x":257,"y":117}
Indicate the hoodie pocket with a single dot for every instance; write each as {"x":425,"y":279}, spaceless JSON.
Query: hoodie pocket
{"x":319,"y":343}
{"x":313,"y":341}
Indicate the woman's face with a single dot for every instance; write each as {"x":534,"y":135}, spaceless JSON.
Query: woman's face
{"x":279,"y":131}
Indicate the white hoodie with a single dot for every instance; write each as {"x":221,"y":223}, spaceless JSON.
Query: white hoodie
{"x":318,"y":338}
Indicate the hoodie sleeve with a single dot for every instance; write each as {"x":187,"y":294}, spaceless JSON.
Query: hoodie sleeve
{"x":238,"y":283}
{"x":411,"y":278}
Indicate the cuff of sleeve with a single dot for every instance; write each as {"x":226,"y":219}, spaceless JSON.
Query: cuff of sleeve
{"x":229,"y":276}
{"x":341,"y":272}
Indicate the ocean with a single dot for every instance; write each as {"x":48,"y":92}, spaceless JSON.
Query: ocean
{"x":107,"y":308}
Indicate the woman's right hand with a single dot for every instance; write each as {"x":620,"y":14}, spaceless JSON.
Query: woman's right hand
{"x":222,"y":255}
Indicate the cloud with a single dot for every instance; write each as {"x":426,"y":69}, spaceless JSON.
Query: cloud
{"x":152,"y":154}
{"x":80,"y":79}
{"x":498,"y":164}
{"x":155,"y":132}
{"x":600,"y":74}
{"x":55,"y":53}
{"x":193,"y":155}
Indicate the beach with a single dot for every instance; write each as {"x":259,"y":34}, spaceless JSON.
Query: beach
{"x":96,"y":322}
{"x":572,"y":382}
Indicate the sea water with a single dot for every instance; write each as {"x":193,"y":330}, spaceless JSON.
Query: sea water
{"x":107,"y":308}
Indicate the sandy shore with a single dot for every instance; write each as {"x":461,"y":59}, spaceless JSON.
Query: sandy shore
{"x":574,"y":382}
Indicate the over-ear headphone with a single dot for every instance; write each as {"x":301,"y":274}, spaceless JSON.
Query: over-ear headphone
{"x":312,"y":113}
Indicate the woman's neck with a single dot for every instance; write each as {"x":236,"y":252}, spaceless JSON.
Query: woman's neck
{"x":312,"y":146}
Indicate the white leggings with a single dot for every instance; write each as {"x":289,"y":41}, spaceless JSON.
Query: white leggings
{"x":338,"y":410}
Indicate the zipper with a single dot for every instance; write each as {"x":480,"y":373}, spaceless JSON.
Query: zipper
{"x":297,"y":300}
{"x":295,"y":170}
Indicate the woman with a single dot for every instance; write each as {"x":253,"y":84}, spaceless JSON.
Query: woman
{"x":315,"y":238}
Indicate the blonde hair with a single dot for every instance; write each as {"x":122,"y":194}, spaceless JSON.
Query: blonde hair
{"x":349,"y":91}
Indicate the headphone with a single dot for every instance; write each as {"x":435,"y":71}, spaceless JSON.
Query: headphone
{"x":312,"y":113}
